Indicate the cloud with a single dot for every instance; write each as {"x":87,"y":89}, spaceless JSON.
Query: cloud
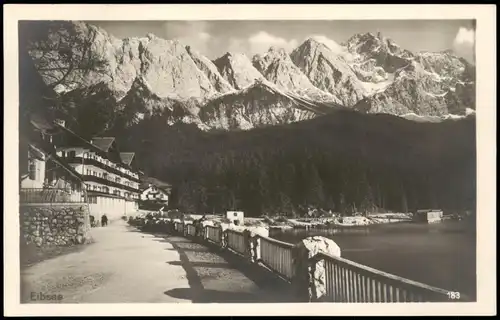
{"x":334,"y":46}
{"x":238,"y":45}
{"x":192,"y":33}
{"x":261,"y":42}
{"x":464,"y":43}
{"x":204,"y":36}
{"x":464,"y":37}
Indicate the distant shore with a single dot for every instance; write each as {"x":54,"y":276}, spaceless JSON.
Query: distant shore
{"x":284,"y":223}
{"x":306,"y":223}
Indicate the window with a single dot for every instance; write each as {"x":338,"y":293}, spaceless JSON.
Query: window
{"x":63,"y":154}
{"x":89,"y":172}
{"x":236,"y":214}
{"x":106,"y":189}
{"x":32,"y":169}
{"x":72,"y":154}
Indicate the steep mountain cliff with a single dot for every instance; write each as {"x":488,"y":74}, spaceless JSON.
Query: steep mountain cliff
{"x":260,"y":104}
{"x":237,"y":69}
{"x":208,"y":67}
{"x":148,"y":76}
{"x":328,"y":72}
{"x":278,"y":68}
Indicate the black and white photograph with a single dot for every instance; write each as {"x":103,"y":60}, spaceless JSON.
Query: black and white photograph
{"x":248,"y":161}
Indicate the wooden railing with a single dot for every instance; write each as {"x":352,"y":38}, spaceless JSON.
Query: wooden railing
{"x":191,"y":230}
{"x":214,"y":234}
{"x":179,"y":227}
{"x":323,"y":277}
{"x":348,"y":281}
{"x":49,"y":195}
{"x":277,"y":256}
{"x":236,"y":241}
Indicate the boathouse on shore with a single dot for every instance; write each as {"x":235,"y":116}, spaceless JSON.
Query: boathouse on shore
{"x":428,"y":216}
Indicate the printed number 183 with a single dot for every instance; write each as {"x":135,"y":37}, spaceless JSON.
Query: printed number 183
{"x":453,"y":295}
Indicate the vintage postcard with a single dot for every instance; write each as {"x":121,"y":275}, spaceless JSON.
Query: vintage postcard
{"x":249,"y":160}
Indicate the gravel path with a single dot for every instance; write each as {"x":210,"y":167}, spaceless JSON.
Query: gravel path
{"x":125,"y":265}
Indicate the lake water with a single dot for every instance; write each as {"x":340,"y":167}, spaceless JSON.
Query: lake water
{"x":441,"y":255}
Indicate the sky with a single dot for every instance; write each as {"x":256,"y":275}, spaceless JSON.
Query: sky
{"x":215,"y":38}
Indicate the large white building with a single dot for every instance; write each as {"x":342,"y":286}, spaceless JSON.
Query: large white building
{"x":45,"y":177}
{"x":109,"y":176}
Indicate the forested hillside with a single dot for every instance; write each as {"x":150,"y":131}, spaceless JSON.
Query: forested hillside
{"x":345,"y":161}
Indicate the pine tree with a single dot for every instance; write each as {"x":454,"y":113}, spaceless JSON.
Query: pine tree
{"x":315,"y":194}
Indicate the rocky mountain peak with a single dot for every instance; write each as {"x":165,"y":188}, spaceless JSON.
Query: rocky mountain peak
{"x":150,"y":73}
{"x":328,"y":71}
{"x":278,"y":68}
{"x":237,"y":70}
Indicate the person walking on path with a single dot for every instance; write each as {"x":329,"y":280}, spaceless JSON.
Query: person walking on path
{"x":104,"y":220}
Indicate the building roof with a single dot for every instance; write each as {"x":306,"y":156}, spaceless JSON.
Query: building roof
{"x":41,"y":146}
{"x":146,"y":181}
{"x":103,"y":143}
{"x":40,"y":123}
{"x":127,"y":157}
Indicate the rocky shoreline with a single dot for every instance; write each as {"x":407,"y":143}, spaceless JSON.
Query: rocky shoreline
{"x":263,"y":225}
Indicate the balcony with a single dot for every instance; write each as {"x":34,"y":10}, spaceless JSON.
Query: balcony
{"x":110,"y":168}
{"x":49,"y":195}
{"x":111,"y":195}
{"x":109,"y":182}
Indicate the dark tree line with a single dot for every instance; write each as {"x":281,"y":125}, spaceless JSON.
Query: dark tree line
{"x":346,"y":162}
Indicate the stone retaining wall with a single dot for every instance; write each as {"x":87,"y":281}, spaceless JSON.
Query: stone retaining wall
{"x":55,"y":224}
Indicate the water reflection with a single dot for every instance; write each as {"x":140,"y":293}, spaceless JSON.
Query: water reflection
{"x":441,"y":254}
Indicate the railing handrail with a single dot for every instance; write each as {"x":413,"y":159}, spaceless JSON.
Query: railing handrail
{"x":235,"y":231}
{"x":277,"y":242}
{"x":381,"y":274}
{"x":281,"y":261}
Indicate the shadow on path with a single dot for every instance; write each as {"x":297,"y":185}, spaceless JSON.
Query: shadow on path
{"x":217,"y":263}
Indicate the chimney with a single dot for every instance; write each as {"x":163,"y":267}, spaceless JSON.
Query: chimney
{"x":60,"y":122}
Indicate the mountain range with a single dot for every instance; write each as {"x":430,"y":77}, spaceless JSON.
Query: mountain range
{"x":368,"y":73}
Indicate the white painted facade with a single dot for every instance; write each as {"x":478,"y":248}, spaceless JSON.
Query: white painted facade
{"x":236,"y":216}
{"x":104,"y":197}
{"x":154,"y":193}
{"x":36,"y":178}
{"x":113,"y":208}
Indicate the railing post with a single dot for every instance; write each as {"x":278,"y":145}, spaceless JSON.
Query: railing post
{"x":225,"y":236}
{"x":258,"y":249}
{"x":248,"y":241}
{"x":221,"y":237}
{"x":255,"y":248}
{"x":310,"y":275}
{"x":301,"y":279}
